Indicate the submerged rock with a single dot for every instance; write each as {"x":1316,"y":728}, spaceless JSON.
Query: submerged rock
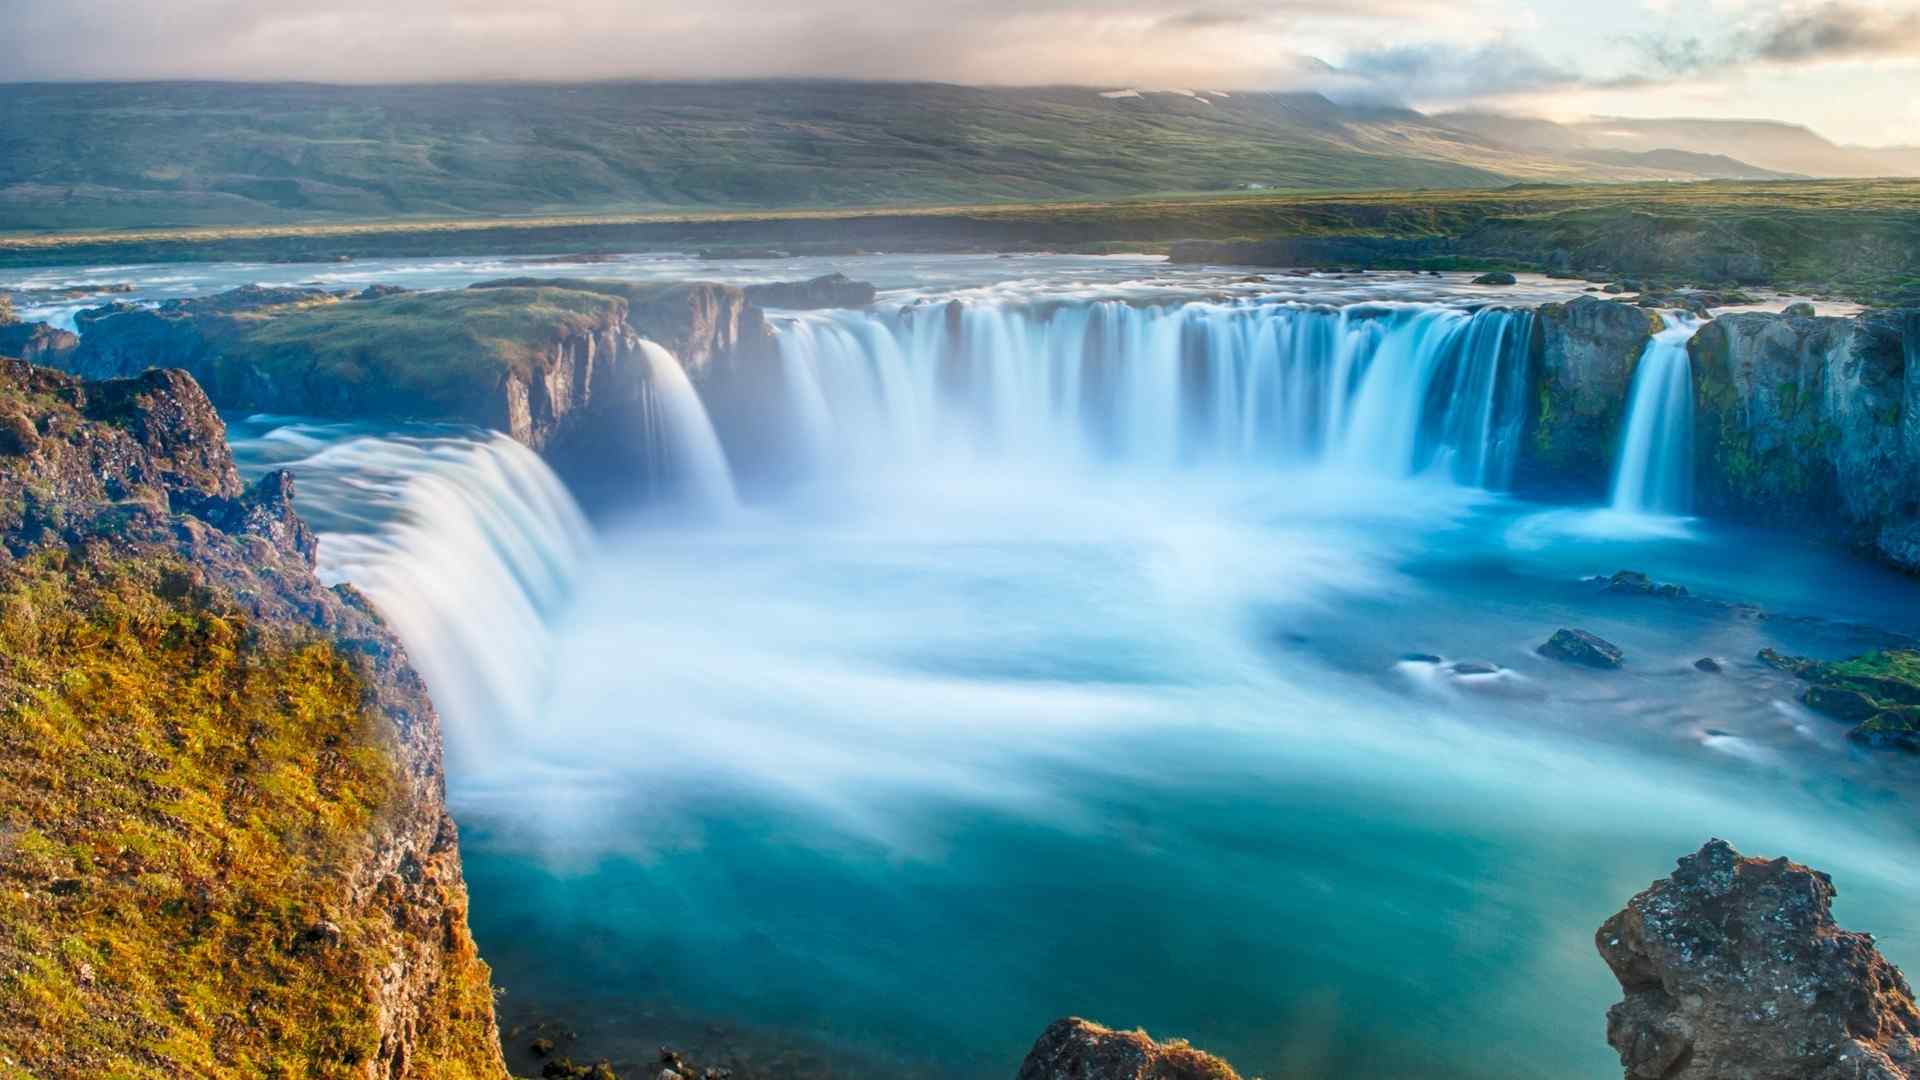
{"x":1709,"y":665}
{"x":1580,"y":647}
{"x":1076,"y":1049}
{"x":1733,"y":968}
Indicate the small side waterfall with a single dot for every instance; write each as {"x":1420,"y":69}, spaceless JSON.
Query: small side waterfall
{"x":1654,"y":474}
{"x":684,"y":453}
{"x":1399,"y":388}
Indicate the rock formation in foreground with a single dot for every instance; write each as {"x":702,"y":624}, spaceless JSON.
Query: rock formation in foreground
{"x":224,"y":850}
{"x":1076,"y":1049}
{"x":1734,"y":970}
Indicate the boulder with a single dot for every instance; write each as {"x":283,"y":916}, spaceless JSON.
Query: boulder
{"x":1799,"y":310}
{"x":1732,"y":967}
{"x":1580,"y":647}
{"x":1498,"y":277}
{"x":1076,"y":1049}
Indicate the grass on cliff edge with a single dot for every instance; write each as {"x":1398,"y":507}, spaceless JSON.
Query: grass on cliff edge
{"x":430,"y":347}
{"x":178,"y":795}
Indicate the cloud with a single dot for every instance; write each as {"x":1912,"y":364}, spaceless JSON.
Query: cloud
{"x":1444,"y":72}
{"x":1235,"y":44}
{"x":1836,"y":31}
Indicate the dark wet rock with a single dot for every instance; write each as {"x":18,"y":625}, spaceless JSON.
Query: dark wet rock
{"x":826,"y":291}
{"x":1899,"y":546}
{"x":1497,"y":277}
{"x":1475,"y":667}
{"x":1076,"y":1049}
{"x":379,"y":290}
{"x":1580,"y":647}
{"x":1709,"y":665}
{"x":1733,"y":968}
{"x":1812,"y":423}
{"x":1878,"y":693}
{"x":1799,"y":310}
{"x":541,"y":1047}
{"x":1419,"y":658}
{"x":1587,"y":350}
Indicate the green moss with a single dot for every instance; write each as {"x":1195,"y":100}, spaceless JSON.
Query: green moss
{"x":194,"y":786}
{"x":433,"y":350}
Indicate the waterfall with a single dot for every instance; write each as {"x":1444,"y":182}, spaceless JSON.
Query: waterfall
{"x":1655,"y":470}
{"x":1399,"y":388}
{"x":684,"y":453}
{"x":469,"y":549}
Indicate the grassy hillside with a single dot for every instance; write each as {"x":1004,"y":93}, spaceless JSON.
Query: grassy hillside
{"x":146,"y":155}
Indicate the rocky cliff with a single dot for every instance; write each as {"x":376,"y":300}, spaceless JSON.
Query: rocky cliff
{"x":1733,"y":968}
{"x":224,"y":850}
{"x":551,"y":362}
{"x":1813,"y":423}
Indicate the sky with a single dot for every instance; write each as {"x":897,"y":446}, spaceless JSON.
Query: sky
{"x":1847,"y":68}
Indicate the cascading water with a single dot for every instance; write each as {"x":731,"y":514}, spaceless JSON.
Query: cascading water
{"x":468,"y":546}
{"x":1397,"y":388}
{"x":1654,"y":474}
{"x":685,"y":455}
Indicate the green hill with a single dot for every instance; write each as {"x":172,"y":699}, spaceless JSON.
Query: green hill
{"x":124,"y":155}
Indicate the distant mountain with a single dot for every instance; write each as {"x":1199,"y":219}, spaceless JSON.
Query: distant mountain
{"x":1684,"y":164}
{"x":1746,"y":149}
{"x":166,"y":154}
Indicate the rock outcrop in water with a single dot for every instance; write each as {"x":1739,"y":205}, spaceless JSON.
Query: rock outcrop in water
{"x":1076,"y":1049}
{"x":1585,"y":355}
{"x":1733,"y":968}
{"x":825,"y":291}
{"x":1878,"y":693}
{"x":1583,"y":648}
{"x":224,"y":850}
{"x":1813,"y":423}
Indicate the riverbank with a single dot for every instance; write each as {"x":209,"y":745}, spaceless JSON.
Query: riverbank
{"x":1854,"y":238}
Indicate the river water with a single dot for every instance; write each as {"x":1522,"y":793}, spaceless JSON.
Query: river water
{"x":1094,"y":654}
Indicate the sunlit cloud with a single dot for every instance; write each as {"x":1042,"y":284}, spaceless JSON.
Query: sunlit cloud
{"x":1654,"y":57}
